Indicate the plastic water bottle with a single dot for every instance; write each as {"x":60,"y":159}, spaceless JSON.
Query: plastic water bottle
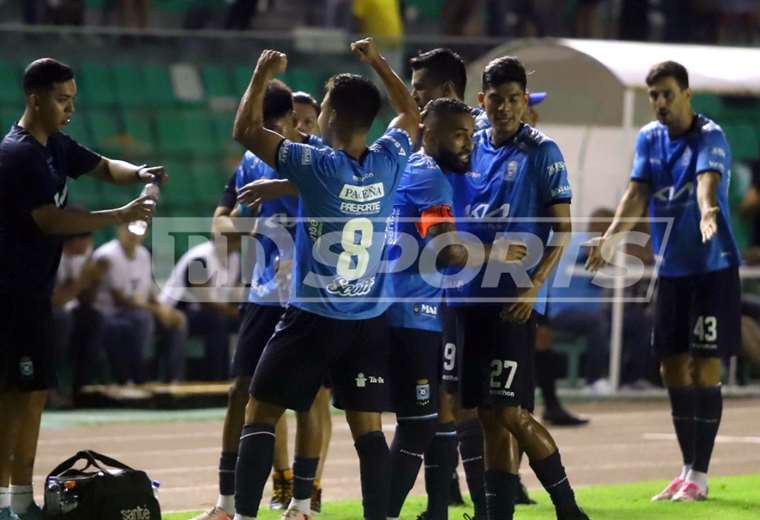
{"x":155,"y":484}
{"x":153,"y":190}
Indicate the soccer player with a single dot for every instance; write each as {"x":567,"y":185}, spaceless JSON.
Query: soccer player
{"x":441,"y":73}
{"x":36,"y":160}
{"x":306,"y":111}
{"x":264,"y":306}
{"x":517,"y":172}
{"x":681,"y":170}
{"x":422,"y":210}
{"x":334,"y":321}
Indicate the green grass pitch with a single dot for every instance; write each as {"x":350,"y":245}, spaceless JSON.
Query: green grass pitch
{"x":731,"y":498}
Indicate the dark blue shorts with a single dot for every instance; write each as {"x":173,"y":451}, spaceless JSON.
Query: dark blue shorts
{"x":256,"y":327}
{"x":698,"y":314}
{"x":306,"y":348}
{"x":27,"y":357}
{"x":415,"y":370}
{"x":497,"y":366}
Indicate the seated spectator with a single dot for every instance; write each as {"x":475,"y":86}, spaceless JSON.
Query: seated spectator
{"x":77,"y":323}
{"x":205,"y":286}
{"x":133,"y":316}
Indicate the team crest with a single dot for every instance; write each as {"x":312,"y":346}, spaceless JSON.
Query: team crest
{"x":511,"y":170}
{"x":423,"y":392}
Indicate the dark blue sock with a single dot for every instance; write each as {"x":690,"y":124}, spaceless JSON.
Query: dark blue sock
{"x":374,"y":469}
{"x":304,"y":471}
{"x":411,"y":441}
{"x":254,"y":463}
{"x":440,"y":461}
{"x":501,"y":489}
{"x":551,"y":473}
{"x":709,"y":409}
{"x":470,"y":435}
{"x":227,"y":473}
{"x":683,"y":402}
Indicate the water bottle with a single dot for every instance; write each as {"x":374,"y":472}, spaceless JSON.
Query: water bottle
{"x":152,"y":189}
{"x":155,"y":484}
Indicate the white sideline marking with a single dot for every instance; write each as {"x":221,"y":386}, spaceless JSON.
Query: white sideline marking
{"x":720,"y":439}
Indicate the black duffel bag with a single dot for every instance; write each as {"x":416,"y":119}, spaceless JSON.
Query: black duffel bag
{"x":105,"y":489}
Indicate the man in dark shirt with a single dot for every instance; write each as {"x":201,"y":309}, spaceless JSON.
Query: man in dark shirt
{"x":36,"y":160}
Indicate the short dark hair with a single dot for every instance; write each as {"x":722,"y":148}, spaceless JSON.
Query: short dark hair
{"x":278,"y":100}
{"x":43,"y":73}
{"x":355,"y":99}
{"x":668,"y":69}
{"x":502,"y":70}
{"x":443,"y":65}
{"x":306,"y":99}
{"x":446,"y":107}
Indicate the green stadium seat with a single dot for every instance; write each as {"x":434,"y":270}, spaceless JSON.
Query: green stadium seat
{"x":130,"y":84}
{"x":181,"y":193}
{"x":97,"y":85}
{"x":743,"y":141}
{"x":159,"y":91}
{"x":138,"y":127}
{"x":241,"y":76}
{"x":186,"y":132}
{"x":299,"y":78}
{"x":209,"y":179}
{"x":77,"y":129}
{"x":113,"y":196}
{"x":86,"y":192}
{"x":222,"y":123}
{"x":8,"y":116}
{"x":11,"y":92}
{"x":707,"y":104}
{"x":106,"y":134}
{"x":216,"y":82}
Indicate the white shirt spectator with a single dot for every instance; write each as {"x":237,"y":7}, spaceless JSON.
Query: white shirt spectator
{"x":131,"y":276}
{"x":202,"y":265}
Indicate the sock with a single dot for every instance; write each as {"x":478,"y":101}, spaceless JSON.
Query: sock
{"x":685,"y":472}
{"x":698,"y":478}
{"x":501,"y":489}
{"x":440,"y":461}
{"x":470,"y":435}
{"x":5,"y":497}
{"x":546,"y":377}
{"x":683,"y":409}
{"x":227,"y":462}
{"x":410,"y":442}
{"x":244,"y":517}
{"x":304,"y":470}
{"x":317,"y":483}
{"x":254,"y":463}
{"x":226,"y":503}
{"x":374,"y":470}
{"x":709,"y":408}
{"x":21,"y":498}
{"x":552,"y":475}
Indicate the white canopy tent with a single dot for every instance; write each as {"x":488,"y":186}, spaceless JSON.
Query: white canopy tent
{"x":597,"y":102}
{"x":597,"y":99}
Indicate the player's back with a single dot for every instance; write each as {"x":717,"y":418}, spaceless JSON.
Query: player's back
{"x":345,"y":203}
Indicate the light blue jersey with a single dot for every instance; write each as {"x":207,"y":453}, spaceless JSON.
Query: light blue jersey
{"x":423,"y":187}
{"x":275,"y":232}
{"x":339,"y":249}
{"x":517,"y":180}
{"x":671,"y":168}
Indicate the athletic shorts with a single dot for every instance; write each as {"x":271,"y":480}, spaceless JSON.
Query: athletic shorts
{"x":307,"y":347}
{"x":415,"y":370}
{"x":451,"y":356}
{"x":497,"y":367}
{"x":256,"y":327}
{"x":27,"y":358}
{"x":698,"y":314}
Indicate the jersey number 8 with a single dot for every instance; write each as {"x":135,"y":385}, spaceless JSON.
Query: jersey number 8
{"x":363,"y":228}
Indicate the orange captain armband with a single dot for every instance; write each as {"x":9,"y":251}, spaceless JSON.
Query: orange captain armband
{"x":433,"y":216}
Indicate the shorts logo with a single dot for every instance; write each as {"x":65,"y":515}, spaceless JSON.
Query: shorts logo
{"x":26,"y":367}
{"x":362,"y":380}
{"x":425,"y":308}
{"x":423,"y":392}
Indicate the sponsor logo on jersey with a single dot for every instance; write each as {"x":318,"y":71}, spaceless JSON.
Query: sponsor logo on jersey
{"x":669,"y":194}
{"x":315,"y":229}
{"x":555,"y":168}
{"x":354,"y":208}
{"x":395,"y":143}
{"x":717,"y":150}
{"x":425,"y":308}
{"x":686,"y":157}
{"x":362,"y":381}
{"x":342,"y":287}
{"x":511,"y":170}
{"x":362,"y":193}
{"x":26,"y":367}
{"x":716,"y":165}
{"x":306,"y":157}
{"x":561,"y":190}
{"x":60,"y":197}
